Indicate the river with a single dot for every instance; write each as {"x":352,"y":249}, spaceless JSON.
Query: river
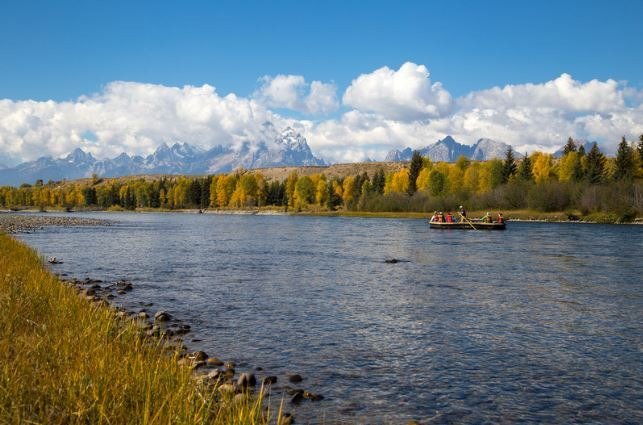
{"x":537,"y":323}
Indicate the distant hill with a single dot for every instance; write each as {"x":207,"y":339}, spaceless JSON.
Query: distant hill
{"x":287,"y":148}
{"x":449,"y":150}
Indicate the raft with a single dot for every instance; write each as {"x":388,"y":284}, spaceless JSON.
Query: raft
{"x":474,"y":225}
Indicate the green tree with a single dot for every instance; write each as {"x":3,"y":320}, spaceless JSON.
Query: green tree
{"x":524,"y":169}
{"x":570,"y":146}
{"x":624,"y":161}
{"x":509,"y":167}
{"x":595,"y":165}
{"x":414,"y":171}
{"x":437,"y":182}
{"x":379,"y":181}
{"x":640,"y":149}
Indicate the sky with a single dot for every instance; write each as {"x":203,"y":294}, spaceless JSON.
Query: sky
{"x":355,"y":78}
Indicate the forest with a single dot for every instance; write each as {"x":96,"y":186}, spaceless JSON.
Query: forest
{"x":578,"y":182}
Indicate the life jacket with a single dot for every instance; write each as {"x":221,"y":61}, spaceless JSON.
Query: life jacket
{"x":449,"y":218}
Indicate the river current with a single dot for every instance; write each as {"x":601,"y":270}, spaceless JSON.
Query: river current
{"x":537,"y":323}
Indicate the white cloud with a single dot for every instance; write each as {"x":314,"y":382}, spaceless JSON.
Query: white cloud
{"x":403,"y":109}
{"x":293,"y":92}
{"x":130,"y":117}
{"x":405,"y":95}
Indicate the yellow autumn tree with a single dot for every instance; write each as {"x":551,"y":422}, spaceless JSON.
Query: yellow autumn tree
{"x":399,"y":182}
{"x":542,"y":166}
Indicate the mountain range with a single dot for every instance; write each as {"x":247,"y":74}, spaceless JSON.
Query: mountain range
{"x":449,"y":150}
{"x":288,"y":148}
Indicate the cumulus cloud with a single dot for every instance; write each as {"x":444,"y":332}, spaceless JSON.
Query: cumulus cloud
{"x":385,"y":109}
{"x":293,"y":92}
{"x":405,"y":95}
{"x":130,"y":117}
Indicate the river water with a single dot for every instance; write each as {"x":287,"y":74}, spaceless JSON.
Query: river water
{"x":538,"y":323}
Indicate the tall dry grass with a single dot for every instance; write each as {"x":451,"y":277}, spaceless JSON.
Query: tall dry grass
{"x":64,"y":360}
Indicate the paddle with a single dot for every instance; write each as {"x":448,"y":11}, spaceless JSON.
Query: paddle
{"x":467,"y":220}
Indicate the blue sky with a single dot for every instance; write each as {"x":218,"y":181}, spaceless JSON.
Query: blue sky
{"x":63,"y":50}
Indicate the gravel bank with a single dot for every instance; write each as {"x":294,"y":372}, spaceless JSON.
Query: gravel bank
{"x":14,"y":223}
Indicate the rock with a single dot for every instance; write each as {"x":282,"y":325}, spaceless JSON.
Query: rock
{"x":215,"y":375}
{"x":246,"y":380}
{"x":121,"y":315}
{"x":229,"y":373}
{"x":313,"y":397}
{"x":295,"y":378}
{"x":258,"y":368}
{"x":200,"y":356}
{"x":297,"y":398}
{"x":124,"y":285}
{"x":213,"y":361}
{"x":227,"y":389}
{"x":269,"y":380}
{"x":143,"y":315}
{"x":162,"y":316}
{"x":239,"y":398}
{"x":198,"y":365}
{"x":230,"y":365}
{"x":121,"y":292}
{"x":286,"y":419}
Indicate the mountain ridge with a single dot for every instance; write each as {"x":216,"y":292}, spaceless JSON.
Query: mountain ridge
{"x":288,"y":148}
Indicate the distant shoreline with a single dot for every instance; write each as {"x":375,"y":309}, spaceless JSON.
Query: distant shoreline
{"x":510,"y":215}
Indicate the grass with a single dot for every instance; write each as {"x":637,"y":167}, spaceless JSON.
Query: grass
{"x":66,"y":360}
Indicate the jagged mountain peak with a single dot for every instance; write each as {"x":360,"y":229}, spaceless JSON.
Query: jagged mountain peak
{"x":449,"y":150}
{"x":285,"y":148}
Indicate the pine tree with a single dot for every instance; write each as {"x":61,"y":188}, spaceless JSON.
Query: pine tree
{"x":379,"y":181}
{"x":414,"y":171}
{"x":569,"y":147}
{"x":509,"y":167}
{"x":595,"y":165}
{"x":524,"y":170}
{"x":581,"y":151}
{"x":624,"y":161}
{"x":578,"y":173}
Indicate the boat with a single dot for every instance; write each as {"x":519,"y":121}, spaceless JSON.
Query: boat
{"x":470,"y":225}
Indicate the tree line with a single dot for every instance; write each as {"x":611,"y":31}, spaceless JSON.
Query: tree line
{"x":578,"y":180}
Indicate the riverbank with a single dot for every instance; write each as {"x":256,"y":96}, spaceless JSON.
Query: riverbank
{"x":509,"y":215}
{"x":73,"y":359}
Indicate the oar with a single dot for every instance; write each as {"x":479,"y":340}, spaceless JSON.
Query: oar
{"x":467,"y":220}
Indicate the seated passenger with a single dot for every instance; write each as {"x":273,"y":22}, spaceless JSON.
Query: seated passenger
{"x":500,"y":219}
{"x":449,"y":217}
{"x":487,"y":218}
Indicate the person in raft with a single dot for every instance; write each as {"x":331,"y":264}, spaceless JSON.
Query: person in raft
{"x":500,"y":219}
{"x":487,"y":218}
{"x":449,"y":217}
{"x":463,"y":214}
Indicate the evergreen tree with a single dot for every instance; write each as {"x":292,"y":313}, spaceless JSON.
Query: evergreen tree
{"x":578,"y":173}
{"x":624,"y":161}
{"x":640,"y":149}
{"x":414,"y":171}
{"x":379,"y":181}
{"x":570,"y":146}
{"x":524,"y":170}
{"x":595,"y":165}
{"x":581,"y":151}
{"x":509,"y":167}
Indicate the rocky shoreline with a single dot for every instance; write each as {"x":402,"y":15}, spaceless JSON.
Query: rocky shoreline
{"x":21,"y":223}
{"x":208,"y":371}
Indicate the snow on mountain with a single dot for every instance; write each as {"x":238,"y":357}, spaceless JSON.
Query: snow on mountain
{"x":288,"y":148}
{"x":449,"y":150}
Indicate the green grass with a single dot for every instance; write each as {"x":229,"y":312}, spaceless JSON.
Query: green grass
{"x":66,"y":360}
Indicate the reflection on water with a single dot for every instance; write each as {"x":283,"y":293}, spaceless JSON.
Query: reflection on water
{"x":539,"y":323}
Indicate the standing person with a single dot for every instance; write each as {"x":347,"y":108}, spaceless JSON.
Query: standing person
{"x":463,"y":213}
{"x":500,"y":219}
